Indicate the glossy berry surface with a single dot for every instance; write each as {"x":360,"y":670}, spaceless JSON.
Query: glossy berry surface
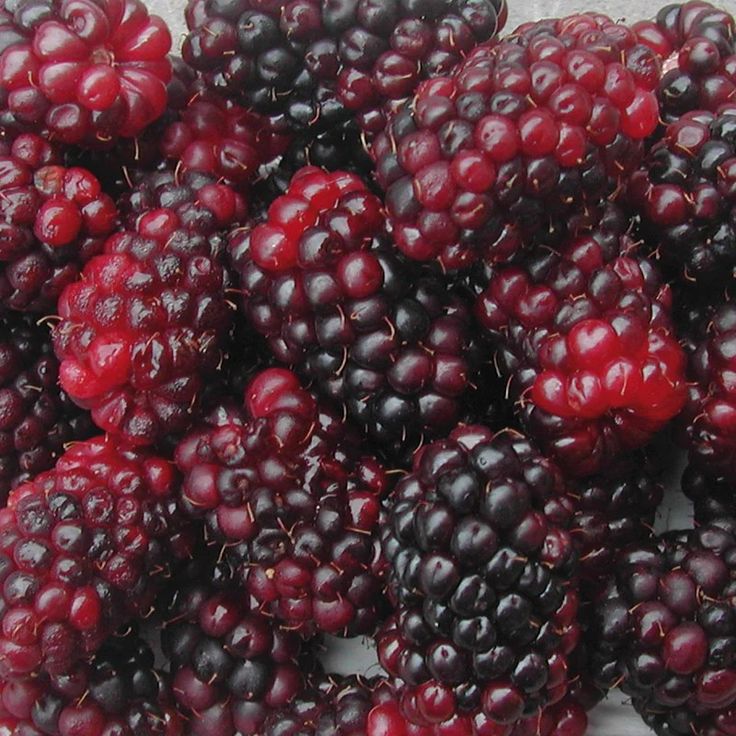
{"x":141,"y":331}
{"x":37,"y":419}
{"x":385,"y":338}
{"x":286,"y":487}
{"x":585,"y":335}
{"x":84,"y":548}
{"x":82,"y":71}
{"x":484,"y":581}
{"x":522,"y":135}
{"x":118,"y":692}
{"x":665,"y":630}
{"x":52,"y":220}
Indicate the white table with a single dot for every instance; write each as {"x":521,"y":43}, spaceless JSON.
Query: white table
{"x":613,"y":717}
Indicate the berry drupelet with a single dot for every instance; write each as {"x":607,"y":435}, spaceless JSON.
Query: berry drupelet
{"x":84,"y":548}
{"x":698,"y":43}
{"x":82,"y":71}
{"x":118,"y":694}
{"x":383,"y":337}
{"x":230,"y":665}
{"x":685,"y":194}
{"x":484,"y":581}
{"x":710,"y":413}
{"x":52,"y":220}
{"x":284,"y":485}
{"x":666,"y":633}
{"x":584,"y":333}
{"x":521,"y":136}
{"x":142,"y":331}
{"x":37,"y":419}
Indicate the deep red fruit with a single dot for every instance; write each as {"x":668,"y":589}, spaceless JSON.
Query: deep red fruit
{"x":52,"y":220}
{"x":37,"y":419}
{"x":286,"y":487}
{"x":142,"y":330}
{"x":385,"y":338}
{"x":519,"y":140}
{"x":83,"y":549}
{"x":84,"y":71}
{"x":585,"y":334}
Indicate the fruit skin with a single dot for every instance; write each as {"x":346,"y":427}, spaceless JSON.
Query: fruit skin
{"x":82,"y":71}
{"x":522,"y":137}
{"x":229,"y":663}
{"x":285,"y":487}
{"x":665,"y":630}
{"x":141,"y":332}
{"x":54,"y":219}
{"x":119,"y":692}
{"x":38,"y":418}
{"x":84,"y":548}
{"x":685,"y":195}
{"x":709,"y":428}
{"x":584,"y":334}
{"x":384,"y":338}
{"x":484,"y":581}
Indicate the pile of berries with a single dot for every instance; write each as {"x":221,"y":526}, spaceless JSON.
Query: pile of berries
{"x":365,"y":318}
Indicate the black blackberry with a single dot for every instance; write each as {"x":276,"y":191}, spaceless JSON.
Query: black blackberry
{"x":487,"y":601}
{"x":37,"y":419}
{"x":665,"y":630}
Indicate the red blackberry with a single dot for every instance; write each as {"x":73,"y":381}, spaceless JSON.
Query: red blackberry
{"x":120,"y":692}
{"x":488,"y":606}
{"x":82,"y":71}
{"x":230,"y":665}
{"x":52,"y":220}
{"x":665,"y":631}
{"x":584,"y":334}
{"x":83,"y":549}
{"x":710,"y":414}
{"x":384,"y":338}
{"x":285,"y":487}
{"x":698,"y":42}
{"x":37,"y":419}
{"x":142,"y":331}
{"x":685,"y":193}
{"x":523,"y":135}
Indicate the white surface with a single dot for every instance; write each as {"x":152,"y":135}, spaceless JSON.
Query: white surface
{"x":613,"y":717}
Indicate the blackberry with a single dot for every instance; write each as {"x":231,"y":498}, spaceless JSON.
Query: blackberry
{"x":82,"y":71}
{"x":119,"y":692}
{"x":286,"y":488}
{"x":685,"y":193}
{"x":713,"y":498}
{"x":521,"y":136}
{"x":142,"y":331}
{"x":708,"y":417}
{"x":318,"y":64}
{"x":37,"y":419}
{"x":698,"y":42}
{"x":383,"y":337}
{"x":485,"y":582}
{"x":665,"y":630}
{"x":84,"y":548}
{"x":584,"y":334}
{"x":230,"y":665}
{"x":52,"y":220}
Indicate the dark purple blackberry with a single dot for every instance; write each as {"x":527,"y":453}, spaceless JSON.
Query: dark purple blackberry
{"x":484,"y":580}
{"x":665,"y":630}
{"x":286,"y":488}
{"x":119,"y":692}
{"x":521,"y":137}
{"x":384,"y":338}
{"x":713,"y":498}
{"x":685,"y":193}
{"x":230,"y":664}
{"x":37,"y":419}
